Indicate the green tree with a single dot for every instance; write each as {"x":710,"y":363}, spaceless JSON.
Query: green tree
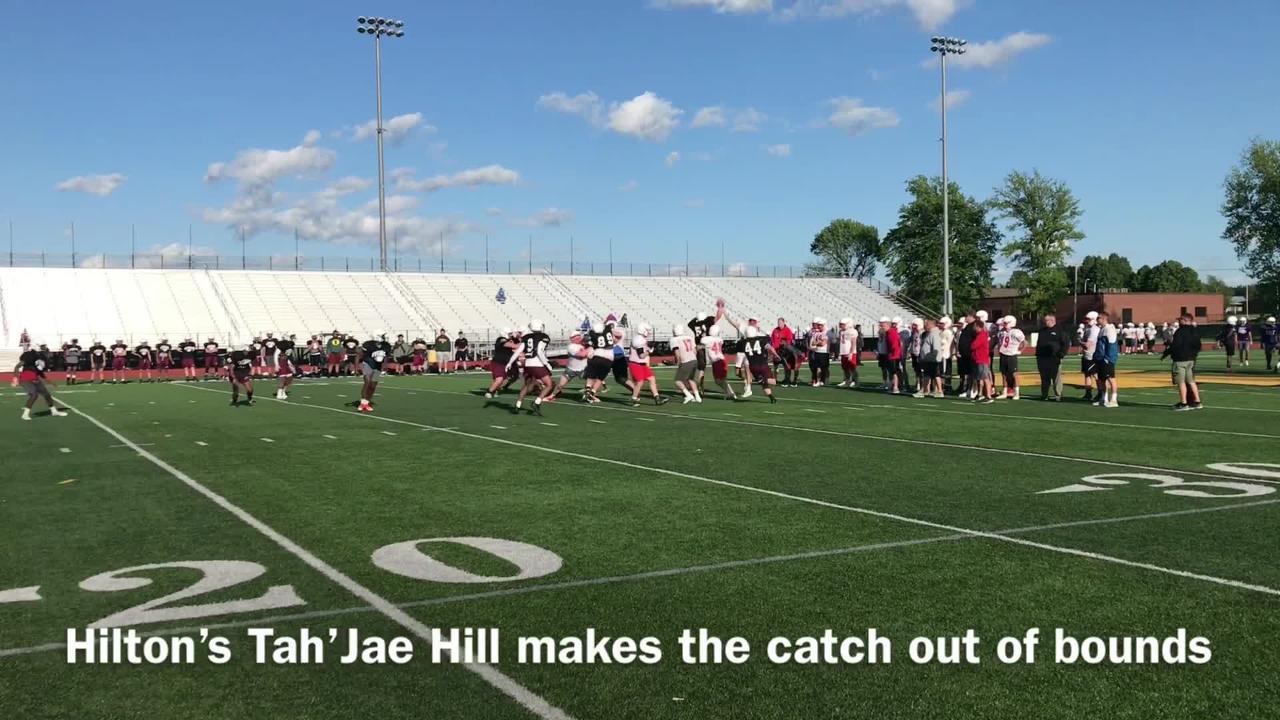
{"x":845,"y":248}
{"x":1215,"y":284}
{"x":1018,"y":280}
{"x":1168,"y":276}
{"x":1042,"y":214}
{"x":1112,"y":272}
{"x":911,"y":251}
{"x":1252,"y":209}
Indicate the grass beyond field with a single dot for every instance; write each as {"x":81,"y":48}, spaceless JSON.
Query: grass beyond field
{"x":833,"y":509}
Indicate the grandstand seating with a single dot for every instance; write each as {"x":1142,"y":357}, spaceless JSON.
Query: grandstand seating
{"x":56,"y":304}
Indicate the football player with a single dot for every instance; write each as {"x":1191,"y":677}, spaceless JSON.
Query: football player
{"x":284,"y":372}
{"x":119,"y":359}
{"x":210,"y":359}
{"x":600,"y":343}
{"x":187,"y":354}
{"x":164,"y":358}
{"x":146,"y":360}
{"x":715,"y":356}
{"x":759,"y":351}
{"x":97,"y":362}
{"x":71,"y":359}
{"x":819,"y":353}
{"x":687,"y":351}
{"x":369,"y":357}
{"x":638,"y":365}
{"x":240,"y":372}
{"x":31,"y":368}
{"x":575,"y":367}
{"x":848,"y":339}
{"x":504,"y":350}
{"x":537,"y":367}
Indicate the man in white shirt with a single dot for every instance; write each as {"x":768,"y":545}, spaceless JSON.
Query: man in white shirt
{"x":685,"y":347}
{"x":638,"y":364}
{"x":575,"y":366}
{"x":1010,"y":343}
{"x":714,"y":345}
{"x":1089,"y":343}
{"x":946,"y":350}
{"x":848,"y":348}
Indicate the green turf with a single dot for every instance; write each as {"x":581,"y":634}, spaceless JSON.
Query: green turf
{"x":831,"y":509}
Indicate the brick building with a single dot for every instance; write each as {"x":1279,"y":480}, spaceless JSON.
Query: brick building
{"x":1122,"y":306}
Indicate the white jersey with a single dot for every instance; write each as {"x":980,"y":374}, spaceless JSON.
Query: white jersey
{"x":818,"y":342}
{"x":1090,"y":340}
{"x":715,"y":348}
{"x":639,"y":350}
{"x":685,"y":348}
{"x":1151,"y":333}
{"x":1011,"y":342}
{"x":848,"y":342}
{"x":576,"y":363}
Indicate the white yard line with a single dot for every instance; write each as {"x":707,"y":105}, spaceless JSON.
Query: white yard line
{"x":646,"y":575}
{"x":525,"y":697}
{"x":1226,"y":582}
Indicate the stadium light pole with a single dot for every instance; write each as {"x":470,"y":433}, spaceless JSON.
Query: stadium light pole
{"x":378,"y":28}
{"x":945,"y":46}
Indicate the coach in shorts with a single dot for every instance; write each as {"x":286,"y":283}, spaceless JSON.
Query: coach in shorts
{"x":1184,"y":349}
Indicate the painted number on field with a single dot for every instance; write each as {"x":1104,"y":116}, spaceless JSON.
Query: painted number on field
{"x":215,"y":575}
{"x":412,"y":560}
{"x":1173,"y":485}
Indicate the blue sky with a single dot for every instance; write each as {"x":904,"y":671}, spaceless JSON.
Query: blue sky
{"x":742,"y":123}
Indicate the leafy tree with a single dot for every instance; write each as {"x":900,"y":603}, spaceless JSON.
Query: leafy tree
{"x":911,"y":251}
{"x":1042,"y":214}
{"x":845,"y":248}
{"x":1111,"y":272}
{"x":1019,"y":280}
{"x":1252,"y":209}
{"x":1215,"y":284}
{"x":1168,"y":276}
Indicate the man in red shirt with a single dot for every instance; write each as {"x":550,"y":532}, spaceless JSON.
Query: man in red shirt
{"x":893,"y":343}
{"x":981,"y":357}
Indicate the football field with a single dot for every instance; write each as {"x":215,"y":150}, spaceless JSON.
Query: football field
{"x":158,"y":507}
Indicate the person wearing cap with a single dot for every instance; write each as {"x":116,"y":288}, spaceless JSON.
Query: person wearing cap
{"x":1009,"y":344}
{"x":981,"y":382}
{"x":911,"y":348}
{"x":964,"y":355}
{"x":1105,"y":357}
{"x":882,"y":351}
{"x":847,"y":342}
{"x":897,"y":370}
{"x":929,"y":382}
{"x":1227,"y":340}
{"x":1051,"y":346}
{"x":1089,"y":344}
{"x":1184,"y":349}
{"x":946,"y":351}
{"x":444,"y":351}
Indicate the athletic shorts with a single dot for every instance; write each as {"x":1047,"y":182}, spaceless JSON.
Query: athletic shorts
{"x":598,"y":368}
{"x":497,"y":369}
{"x":1105,"y":371}
{"x":117,"y":363}
{"x":165,"y":362}
{"x":621,"y":370}
{"x":640,"y":372}
{"x":761,"y":372}
{"x":535,"y":373}
{"x":284,"y":373}
{"x":819,"y":361}
{"x":572,"y":374}
{"x":848,"y":363}
{"x":335,"y":358}
{"x":271,"y":361}
{"x":188,"y":362}
{"x":1009,"y":364}
{"x":964,"y":366}
{"x":981,"y":371}
{"x":686,"y":370}
{"x":719,"y":369}
{"x":241,"y":380}
{"x":210,"y":362}
{"x":1086,"y":366}
{"x":444,"y":356}
{"x":419,"y":360}
{"x":33,"y":387}
{"x":1184,"y":372}
{"x":98,"y":362}
{"x":144,"y":364}
{"x":315,"y":359}
{"x":370,"y":375}
{"x":702,"y":358}
{"x":256,"y":361}
{"x":929,"y":369}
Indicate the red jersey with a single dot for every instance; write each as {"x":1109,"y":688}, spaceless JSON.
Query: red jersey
{"x":895,"y":343}
{"x":781,"y":336}
{"x":981,"y":347}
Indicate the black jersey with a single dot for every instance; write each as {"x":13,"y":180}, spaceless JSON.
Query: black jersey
{"x":241,"y":362}
{"x":187,"y":349}
{"x":98,"y":351}
{"x":270,"y":345}
{"x":34,"y":361}
{"x":700,"y":329}
{"x":71,"y":353}
{"x":350,"y":345}
{"x":143,"y":351}
{"x":163,"y":349}
{"x":211,"y":348}
{"x":461,"y":344}
{"x":534,"y":346}
{"x":757,"y":350}
{"x":502,"y":352}
{"x":376,"y":352}
{"x":602,"y":341}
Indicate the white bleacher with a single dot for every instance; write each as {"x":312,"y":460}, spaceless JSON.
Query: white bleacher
{"x":56,"y":304}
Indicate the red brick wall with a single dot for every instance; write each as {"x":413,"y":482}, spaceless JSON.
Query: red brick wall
{"x":1148,"y":307}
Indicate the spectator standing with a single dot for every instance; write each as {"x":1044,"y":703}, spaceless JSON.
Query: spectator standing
{"x":444,"y":351}
{"x":1270,"y":339}
{"x":1184,"y":349}
{"x":461,"y":351}
{"x":1051,"y":347}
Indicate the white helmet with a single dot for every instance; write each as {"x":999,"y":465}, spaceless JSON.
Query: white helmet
{"x":817,"y":321}
{"x":714,"y":331}
{"x":644,"y":330}
{"x":753,"y":331}
{"x":1231,"y":320}
{"x":896,"y":321}
{"x":597,"y":327}
{"x":917,"y":323}
{"x":981,"y":315}
{"x":944,"y":321}
{"x":536,"y":325}
{"x":1011,"y":321}
{"x":676,"y":330}
{"x":1091,"y":315}
{"x":701,"y":317}
{"x":884,"y":319}
{"x":1271,"y":319}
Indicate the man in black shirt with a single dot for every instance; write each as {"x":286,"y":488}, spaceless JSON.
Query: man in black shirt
{"x":240,"y":371}
{"x":1184,"y":349}
{"x":1051,"y":346}
{"x":371,"y":355}
{"x":71,"y":359}
{"x":31,"y":368}
{"x":164,"y":358}
{"x":504,"y":349}
{"x":97,"y":362}
{"x":964,"y":354}
{"x":351,"y":347}
{"x":187,"y":355}
{"x":759,"y":351}
{"x":701,"y":325}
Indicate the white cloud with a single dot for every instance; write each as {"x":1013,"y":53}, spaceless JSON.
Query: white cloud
{"x":712,"y":116}
{"x":987,"y":55}
{"x":474,"y":177}
{"x":495,"y":212}
{"x":851,"y":116}
{"x":100,"y":185}
{"x":735,"y":7}
{"x":748,"y":120}
{"x":672,"y":158}
{"x":931,"y":14}
{"x":550,"y":217}
{"x":394,"y":130}
{"x":346,"y":186}
{"x":645,"y":116}
{"x":955,"y":98}
{"x":259,"y":167}
{"x":629,"y":186}
{"x":781,"y":150}
{"x":588,"y":105}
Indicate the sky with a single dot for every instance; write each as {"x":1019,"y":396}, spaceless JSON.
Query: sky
{"x":734,"y":128}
